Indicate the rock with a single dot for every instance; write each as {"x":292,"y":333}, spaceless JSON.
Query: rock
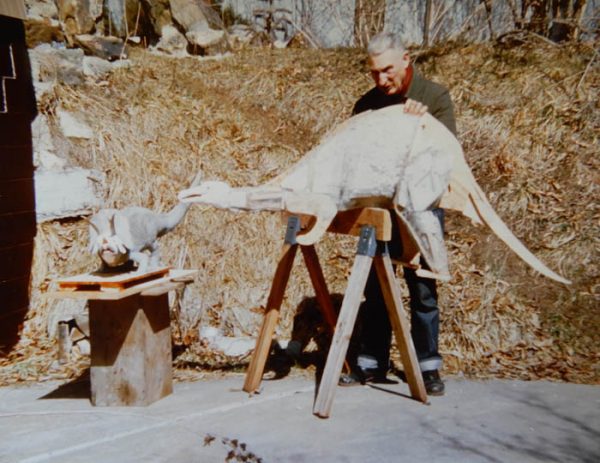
{"x":82,"y":347}
{"x":50,"y":64}
{"x":66,"y":193}
{"x":126,"y":18}
{"x":44,"y":156}
{"x":110,"y":48}
{"x":205,"y":38}
{"x":159,"y":14}
{"x":241,"y":33}
{"x":41,"y":9}
{"x":78,"y":16}
{"x":64,"y":310}
{"x":172,"y":41}
{"x":202,"y":25}
{"x":96,"y":67}
{"x":189,"y":14}
{"x":39,"y":31}
{"x":227,"y":345}
{"x":72,"y":127}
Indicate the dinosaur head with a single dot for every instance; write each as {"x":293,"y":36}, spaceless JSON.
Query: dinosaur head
{"x":109,"y":247}
{"x":213,"y":193}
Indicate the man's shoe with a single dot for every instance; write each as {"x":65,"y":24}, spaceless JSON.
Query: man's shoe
{"x":361,"y":376}
{"x":433,"y":383}
{"x":351,"y":379}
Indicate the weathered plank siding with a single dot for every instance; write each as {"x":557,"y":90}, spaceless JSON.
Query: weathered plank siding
{"x":17,"y":202}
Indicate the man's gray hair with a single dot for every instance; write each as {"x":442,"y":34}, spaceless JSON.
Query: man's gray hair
{"x":384,"y":41}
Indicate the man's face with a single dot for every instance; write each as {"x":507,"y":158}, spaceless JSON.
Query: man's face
{"x":388,"y":69}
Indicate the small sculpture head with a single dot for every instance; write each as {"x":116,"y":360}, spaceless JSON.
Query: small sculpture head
{"x":210,"y":192}
{"x":109,"y":247}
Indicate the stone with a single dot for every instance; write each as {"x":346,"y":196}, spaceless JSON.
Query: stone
{"x":51,"y":64}
{"x":39,"y":31}
{"x":64,"y":310}
{"x":159,"y":14}
{"x":202,"y":25}
{"x":205,"y":38}
{"x":44,"y":156}
{"x":72,"y":127}
{"x":67,"y":193}
{"x":110,"y":48}
{"x":188,"y":14}
{"x":77,"y":16}
{"x":126,"y":18}
{"x":96,"y":67}
{"x":172,"y":41}
{"x":41,"y":9}
{"x":227,"y":345}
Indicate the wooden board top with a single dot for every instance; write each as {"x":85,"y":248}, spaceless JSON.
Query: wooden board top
{"x":106,"y":281}
{"x":94,"y":286}
{"x":350,"y":222}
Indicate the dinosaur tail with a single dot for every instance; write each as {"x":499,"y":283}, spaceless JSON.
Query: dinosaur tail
{"x":487,"y":214}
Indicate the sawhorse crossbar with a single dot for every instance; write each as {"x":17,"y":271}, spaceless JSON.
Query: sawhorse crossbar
{"x":373,"y":226}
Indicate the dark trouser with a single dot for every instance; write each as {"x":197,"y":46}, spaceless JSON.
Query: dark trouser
{"x":376,"y":334}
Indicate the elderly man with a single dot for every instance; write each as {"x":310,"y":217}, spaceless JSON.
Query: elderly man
{"x":397,"y":82}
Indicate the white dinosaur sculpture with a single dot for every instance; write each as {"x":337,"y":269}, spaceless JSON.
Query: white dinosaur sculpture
{"x":384,"y":158}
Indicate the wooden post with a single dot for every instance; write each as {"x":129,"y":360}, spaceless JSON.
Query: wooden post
{"x":130,"y":342}
{"x":393,"y":302}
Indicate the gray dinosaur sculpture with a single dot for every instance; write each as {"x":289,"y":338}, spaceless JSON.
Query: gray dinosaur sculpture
{"x":384,"y":158}
{"x":119,"y":236}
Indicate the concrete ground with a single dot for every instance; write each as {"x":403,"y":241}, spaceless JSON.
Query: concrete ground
{"x":214,"y":421}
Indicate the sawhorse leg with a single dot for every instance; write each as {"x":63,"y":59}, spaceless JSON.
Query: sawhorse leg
{"x":280,"y":280}
{"x":393,"y":302}
{"x":368,"y":248}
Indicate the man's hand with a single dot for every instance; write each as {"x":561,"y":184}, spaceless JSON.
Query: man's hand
{"x":414,"y":107}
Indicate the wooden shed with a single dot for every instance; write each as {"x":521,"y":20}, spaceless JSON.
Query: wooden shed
{"x":17,"y":201}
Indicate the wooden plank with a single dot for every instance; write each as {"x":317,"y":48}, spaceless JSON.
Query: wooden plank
{"x":164,"y":288}
{"x":350,"y":222}
{"x":13,"y":8}
{"x":16,"y":262}
{"x":17,"y":228}
{"x":10,"y":328}
{"x":263,"y":343}
{"x":393,"y":302}
{"x":130,"y":350}
{"x":17,"y":195}
{"x":14,"y":294}
{"x":320,"y":285}
{"x":341,"y":337}
{"x":17,"y":161}
{"x":15,"y":132}
{"x":174,"y":275}
{"x":100,"y":281}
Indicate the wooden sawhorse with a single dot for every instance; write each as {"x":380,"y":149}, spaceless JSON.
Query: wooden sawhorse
{"x":373,"y":226}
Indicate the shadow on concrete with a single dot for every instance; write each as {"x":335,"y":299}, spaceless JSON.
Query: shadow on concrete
{"x":546,"y":434}
{"x":78,"y":388}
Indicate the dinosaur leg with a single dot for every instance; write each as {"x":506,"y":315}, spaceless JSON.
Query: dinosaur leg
{"x":425,"y":230}
{"x":320,"y":206}
{"x":142,"y":259}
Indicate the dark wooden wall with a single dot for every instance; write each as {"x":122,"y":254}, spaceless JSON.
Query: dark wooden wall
{"x":17,"y":201}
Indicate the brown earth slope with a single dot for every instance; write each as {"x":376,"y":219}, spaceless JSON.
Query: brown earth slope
{"x":528,"y":120}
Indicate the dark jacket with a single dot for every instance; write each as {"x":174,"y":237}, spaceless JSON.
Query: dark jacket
{"x":436,"y":97}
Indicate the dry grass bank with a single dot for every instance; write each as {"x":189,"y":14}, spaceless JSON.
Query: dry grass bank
{"x":528,"y":120}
